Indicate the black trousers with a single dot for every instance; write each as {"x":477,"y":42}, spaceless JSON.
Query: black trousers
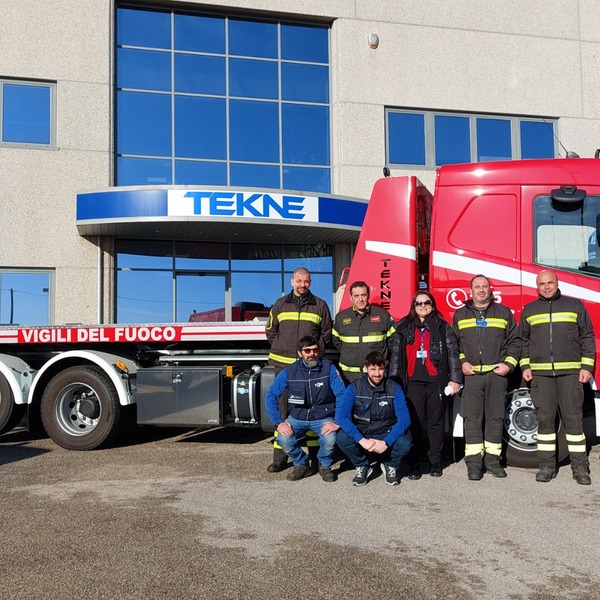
{"x":427,"y":420}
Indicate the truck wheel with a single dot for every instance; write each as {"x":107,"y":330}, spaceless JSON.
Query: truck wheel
{"x":520,"y":431}
{"x":10,"y":413}
{"x":80,"y":409}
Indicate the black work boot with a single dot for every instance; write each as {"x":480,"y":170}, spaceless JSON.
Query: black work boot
{"x":495,"y":469}
{"x":581,"y":475}
{"x":545,"y":474}
{"x":280,"y":461}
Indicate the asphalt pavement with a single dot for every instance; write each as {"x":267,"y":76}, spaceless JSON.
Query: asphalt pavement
{"x":187,"y":514}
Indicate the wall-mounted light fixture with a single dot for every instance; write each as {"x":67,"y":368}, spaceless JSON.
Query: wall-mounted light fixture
{"x":373,"y":40}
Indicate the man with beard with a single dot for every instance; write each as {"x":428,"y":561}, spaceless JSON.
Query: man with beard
{"x":312,"y":386}
{"x":489,"y":350}
{"x":373,"y":418}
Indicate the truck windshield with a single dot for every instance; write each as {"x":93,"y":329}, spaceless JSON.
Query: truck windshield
{"x":565,"y":234}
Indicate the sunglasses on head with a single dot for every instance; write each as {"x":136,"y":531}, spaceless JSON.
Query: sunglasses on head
{"x":423,"y":303}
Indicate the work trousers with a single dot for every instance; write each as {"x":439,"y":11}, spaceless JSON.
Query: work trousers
{"x":359,"y":457}
{"x":426,"y":409}
{"x":482,"y":408}
{"x":563,"y":393}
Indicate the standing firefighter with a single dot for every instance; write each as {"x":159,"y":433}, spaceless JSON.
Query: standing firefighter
{"x":558,"y":358}
{"x":489,"y":349}
{"x":293,"y":317}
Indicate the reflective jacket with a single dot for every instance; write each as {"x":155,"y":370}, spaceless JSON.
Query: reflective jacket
{"x":365,"y":410}
{"x":355,"y":335}
{"x":292,"y":318}
{"x":487,"y":337}
{"x":312,"y":391}
{"x":558,"y":336}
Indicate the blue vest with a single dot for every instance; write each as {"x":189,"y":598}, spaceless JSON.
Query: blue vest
{"x":310,"y":397}
{"x":374,"y":411}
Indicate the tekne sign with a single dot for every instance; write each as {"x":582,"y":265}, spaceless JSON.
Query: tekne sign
{"x":242,"y":204}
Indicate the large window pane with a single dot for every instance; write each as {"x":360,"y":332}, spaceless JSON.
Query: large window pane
{"x":452,"y":140}
{"x":254,"y":175}
{"x":192,"y":172}
{"x":253,"y":78}
{"x":256,"y":257}
{"x":307,"y":179}
{"x":299,"y":42}
{"x":200,"y":294}
{"x":200,"y":125}
{"x":304,"y":83}
{"x":26,"y":113}
{"x":144,"y":69}
{"x":262,"y":288}
{"x":143,"y":171}
{"x":143,"y":28}
{"x":144,"y":297}
{"x":144,"y":124}
{"x":305,"y":134}
{"x":200,"y":74}
{"x":200,"y":34}
{"x":24,"y":298}
{"x":493,"y":139}
{"x":254,"y":131}
{"x":133,"y":254}
{"x":201,"y":256}
{"x":252,"y":38}
{"x":537,"y":139}
{"x":406,"y":138}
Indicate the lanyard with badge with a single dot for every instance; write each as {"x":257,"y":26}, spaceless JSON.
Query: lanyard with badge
{"x":421,"y":352}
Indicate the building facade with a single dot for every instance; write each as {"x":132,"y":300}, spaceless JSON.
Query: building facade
{"x":166,"y":159}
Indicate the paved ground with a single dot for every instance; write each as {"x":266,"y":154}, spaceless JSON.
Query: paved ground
{"x":177,"y":514}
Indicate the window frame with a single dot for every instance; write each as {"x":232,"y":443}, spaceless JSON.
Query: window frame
{"x":52,"y":120}
{"x":51,"y":274}
{"x":429,"y":136}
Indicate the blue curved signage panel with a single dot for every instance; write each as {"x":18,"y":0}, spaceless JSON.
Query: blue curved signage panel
{"x":118,"y":204}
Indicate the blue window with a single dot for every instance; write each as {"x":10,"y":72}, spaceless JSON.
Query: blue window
{"x":537,"y":139}
{"x":431,"y":139}
{"x":28,"y":113}
{"x":452,"y":143}
{"x":25,"y":297}
{"x":222,"y":100}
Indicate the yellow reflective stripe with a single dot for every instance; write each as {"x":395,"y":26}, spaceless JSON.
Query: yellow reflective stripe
{"x":334,"y":333}
{"x":557,"y":366}
{"x":511,"y":361}
{"x":483,"y":368}
{"x":282,"y":359}
{"x":300,"y":316}
{"x":391,"y":331}
{"x":466,"y":323}
{"x":546,"y":447}
{"x":375,"y":337}
{"x":557,"y":317}
{"x":588,"y":361}
{"x":344,"y":367}
{"x":576,"y":437}
{"x":349,"y":339}
{"x":524,"y":362}
{"x":355,"y":339}
{"x":275,"y":444}
{"x":461,"y":356}
{"x":576,"y":448}
{"x":498,"y":323}
{"x":494,"y":449}
{"x":546,"y":437}
{"x":473,"y":449}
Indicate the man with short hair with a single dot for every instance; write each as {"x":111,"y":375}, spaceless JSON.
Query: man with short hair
{"x":360,"y":329}
{"x":312,"y":385}
{"x":558,"y":359}
{"x":291,"y":318}
{"x":374,"y":418}
{"x":489,"y":350}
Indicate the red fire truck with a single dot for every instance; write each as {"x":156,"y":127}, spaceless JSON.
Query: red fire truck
{"x":507,"y":220}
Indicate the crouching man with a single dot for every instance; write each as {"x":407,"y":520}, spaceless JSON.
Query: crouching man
{"x":374,"y":418}
{"x":313,"y":385}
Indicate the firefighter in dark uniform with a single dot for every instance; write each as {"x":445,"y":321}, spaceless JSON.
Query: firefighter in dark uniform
{"x":489,"y":349}
{"x":359,"y":330}
{"x":558,"y":359}
{"x":292,"y":317}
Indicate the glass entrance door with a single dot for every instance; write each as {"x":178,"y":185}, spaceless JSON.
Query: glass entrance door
{"x":202,"y":297}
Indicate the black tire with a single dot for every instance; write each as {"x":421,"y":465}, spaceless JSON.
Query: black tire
{"x":10,"y":413}
{"x":80,"y":409}
{"x":521,"y":416}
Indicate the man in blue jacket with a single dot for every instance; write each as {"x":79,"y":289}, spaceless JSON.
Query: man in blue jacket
{"x":374,"y":418}
{"x":313,"y":386}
